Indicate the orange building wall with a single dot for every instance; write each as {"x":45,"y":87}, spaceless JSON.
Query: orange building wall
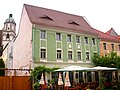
{"x":108,"y":48}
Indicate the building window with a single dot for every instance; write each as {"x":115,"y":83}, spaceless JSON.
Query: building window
{"x":58,"y":36}
{"x":86,"y":40}
{"x":69,"y":39}
{"x":93,"y":41}
{"x":8,"y":26}
{"x":43,"y":53}
{"x":69,"y":55}
{"x":104,"y":46}
{"x":58,"y":54}
{"x":79,"y":55}
{"x":94,"y":54}
{"x":119,"y":47}
{"x":7,"y":36}
{"x":43,"y":34}
{"x":112,"y":45}
{"x":78,"y":39}
{"x":87,"y":55}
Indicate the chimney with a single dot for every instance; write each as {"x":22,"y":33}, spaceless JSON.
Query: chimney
{"x":10,"y":15}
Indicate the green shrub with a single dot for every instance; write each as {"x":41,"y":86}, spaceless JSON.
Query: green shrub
{"x":2,"y":65}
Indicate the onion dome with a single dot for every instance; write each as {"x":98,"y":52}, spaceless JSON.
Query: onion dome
{"x":10,"y":19}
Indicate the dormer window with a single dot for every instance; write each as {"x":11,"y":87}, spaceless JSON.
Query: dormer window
{"x":73,"y":23}
{"x":46,"y":17}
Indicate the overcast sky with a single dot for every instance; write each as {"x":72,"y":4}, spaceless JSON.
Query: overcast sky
{"x":101,"y":14}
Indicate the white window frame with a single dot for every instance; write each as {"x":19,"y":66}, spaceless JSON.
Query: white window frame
{"x":79,"y":55}
{"x":77,"y":39}
{"x":70,"y":55}
{"x":87,"y":56}
{"x":58,"y":36}
{"x":86,"y":40}
{"x":59,"y":54}
{"x":93,"y":41}
{"x":43,"y":54}
{"x":69,"y":38}
{"x":43,"y":34}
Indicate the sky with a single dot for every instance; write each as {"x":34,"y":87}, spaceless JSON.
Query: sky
{"x":100,"y":14}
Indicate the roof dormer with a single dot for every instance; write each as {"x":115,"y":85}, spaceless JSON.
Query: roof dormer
{"x":73,"y":22}
{"x":46,"y":17}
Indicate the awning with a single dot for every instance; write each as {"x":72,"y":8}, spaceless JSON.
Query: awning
{"x":73,"y":68}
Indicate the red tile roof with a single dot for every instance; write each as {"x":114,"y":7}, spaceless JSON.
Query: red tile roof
{"x":108,"y":32}
{"x":52,"y":18}
{"x":112,"y":32}
{"x":105,"y":37}
{"x":118,"y":36}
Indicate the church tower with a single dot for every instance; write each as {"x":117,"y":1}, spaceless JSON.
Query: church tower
{"x":8,"y":35}
{"x":9,"y":30}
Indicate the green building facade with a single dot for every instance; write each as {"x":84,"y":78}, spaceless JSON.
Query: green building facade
{"x":60,"y":48}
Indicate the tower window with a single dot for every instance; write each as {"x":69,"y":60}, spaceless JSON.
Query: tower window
{"x":7,"y":36}
{"x":8,"y":26}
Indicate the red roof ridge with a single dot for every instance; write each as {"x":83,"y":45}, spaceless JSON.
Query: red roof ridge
{"x":108,"y":32}
{"x":107,"y":36}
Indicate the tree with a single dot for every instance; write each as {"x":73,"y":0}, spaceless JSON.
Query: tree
{"x":37,"y":72}
{"x":109,"y":60}
{"x":2,"y":65}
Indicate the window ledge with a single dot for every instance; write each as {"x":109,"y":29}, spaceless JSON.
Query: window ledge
{"x":43,"y":60}
{"x":59,"y":60}
{"x":70,"y":61}
{"x":88,"y":61}
{"x":80,"y":61}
